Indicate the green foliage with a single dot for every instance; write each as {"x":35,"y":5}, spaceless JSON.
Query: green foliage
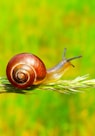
{"x":45,"y":28}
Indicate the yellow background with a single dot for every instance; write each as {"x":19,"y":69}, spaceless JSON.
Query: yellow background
{"x":44,"y":28}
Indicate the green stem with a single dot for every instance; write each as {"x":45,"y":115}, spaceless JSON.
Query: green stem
{"x":62,"y":86}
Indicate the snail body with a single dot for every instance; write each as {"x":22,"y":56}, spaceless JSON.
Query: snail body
{"x":25,"y":70}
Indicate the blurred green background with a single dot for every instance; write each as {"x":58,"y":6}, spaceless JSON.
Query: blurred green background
{"x":44,"y":28}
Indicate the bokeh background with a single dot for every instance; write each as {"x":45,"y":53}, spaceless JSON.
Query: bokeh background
{"x":45,"y":27}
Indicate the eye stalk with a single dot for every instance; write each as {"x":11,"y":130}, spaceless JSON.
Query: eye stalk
{"x":70,"y":59}
{"x":57,"y":71}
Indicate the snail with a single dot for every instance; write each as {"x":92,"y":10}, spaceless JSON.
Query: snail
{"x":25,"y":70}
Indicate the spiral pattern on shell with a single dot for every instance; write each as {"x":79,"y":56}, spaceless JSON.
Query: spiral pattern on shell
{"x":25,"y":70}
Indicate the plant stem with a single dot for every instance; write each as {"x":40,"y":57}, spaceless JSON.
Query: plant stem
{"x":62,"y":86}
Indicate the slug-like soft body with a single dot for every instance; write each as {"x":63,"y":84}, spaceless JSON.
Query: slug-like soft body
{"x":25,"y":70}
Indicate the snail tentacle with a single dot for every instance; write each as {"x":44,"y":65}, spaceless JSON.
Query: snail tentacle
{"x":57,"y":71}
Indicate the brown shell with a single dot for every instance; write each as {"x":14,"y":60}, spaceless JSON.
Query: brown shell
{"x":31,"y":65}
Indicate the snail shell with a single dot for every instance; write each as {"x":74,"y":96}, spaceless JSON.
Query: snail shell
{"x":25,"y":69}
